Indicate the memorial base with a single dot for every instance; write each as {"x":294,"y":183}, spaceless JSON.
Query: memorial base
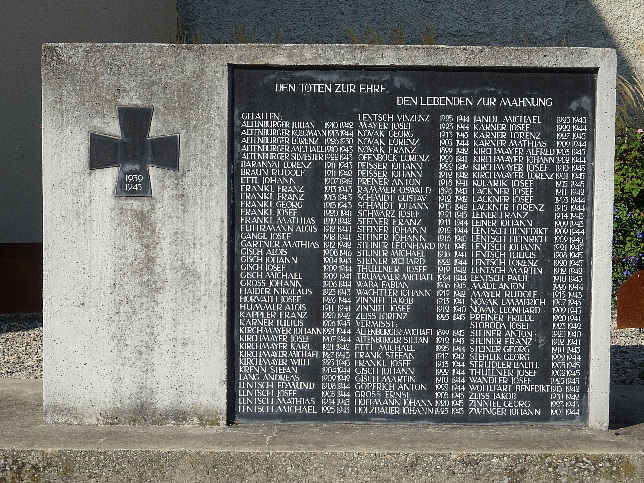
{"x":36,"y":452}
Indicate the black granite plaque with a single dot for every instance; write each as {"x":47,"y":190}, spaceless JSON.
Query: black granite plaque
{"x":412,"y":245}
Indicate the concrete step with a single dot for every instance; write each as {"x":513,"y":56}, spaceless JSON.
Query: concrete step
{"x":31,"y":450}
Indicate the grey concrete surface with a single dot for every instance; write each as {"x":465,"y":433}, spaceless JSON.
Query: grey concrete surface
{"x":25,"y":25}
{"x":136,"y":331}
{"x":32,"y":450}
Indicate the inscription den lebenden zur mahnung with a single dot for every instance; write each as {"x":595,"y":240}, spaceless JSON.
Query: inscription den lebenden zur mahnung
{"x":412,"y":245}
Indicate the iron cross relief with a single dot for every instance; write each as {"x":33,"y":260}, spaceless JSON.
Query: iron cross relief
{"x":134,"y":151}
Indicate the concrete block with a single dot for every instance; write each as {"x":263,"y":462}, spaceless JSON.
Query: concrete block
{"x":136,"y":289}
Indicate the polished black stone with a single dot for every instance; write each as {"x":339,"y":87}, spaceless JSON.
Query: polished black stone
{"x":412,"y":245}
{"x":134,"y":152}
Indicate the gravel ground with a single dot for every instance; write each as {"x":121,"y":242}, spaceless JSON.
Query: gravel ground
{"x":21,"y":350}
{"x":21,"y":346}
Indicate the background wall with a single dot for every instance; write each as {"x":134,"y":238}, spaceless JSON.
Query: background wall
{"x":544,"y":23}
{"x":24,"y":27}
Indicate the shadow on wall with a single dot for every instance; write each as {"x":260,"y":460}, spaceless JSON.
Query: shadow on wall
{"x":539,"y":23}
{"x":25,"y":26}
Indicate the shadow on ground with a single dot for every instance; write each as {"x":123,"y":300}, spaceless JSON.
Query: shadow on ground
{"x":18,"y":322}
{"x":626,"y":406}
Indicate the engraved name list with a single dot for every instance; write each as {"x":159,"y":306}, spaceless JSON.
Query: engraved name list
{"x":411,"y":245}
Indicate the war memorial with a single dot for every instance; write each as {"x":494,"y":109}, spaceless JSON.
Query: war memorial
{"x":326,"y":233}
{"x":410,"y":244}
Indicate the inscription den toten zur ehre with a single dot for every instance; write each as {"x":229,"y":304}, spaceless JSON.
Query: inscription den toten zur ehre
{"x":412,"y":245}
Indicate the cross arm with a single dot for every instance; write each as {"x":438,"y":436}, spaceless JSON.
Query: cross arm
{"x":103,"y":151}
{"x":165,"y":152}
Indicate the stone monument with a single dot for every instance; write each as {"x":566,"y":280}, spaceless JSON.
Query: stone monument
{"x":340,"y":233}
